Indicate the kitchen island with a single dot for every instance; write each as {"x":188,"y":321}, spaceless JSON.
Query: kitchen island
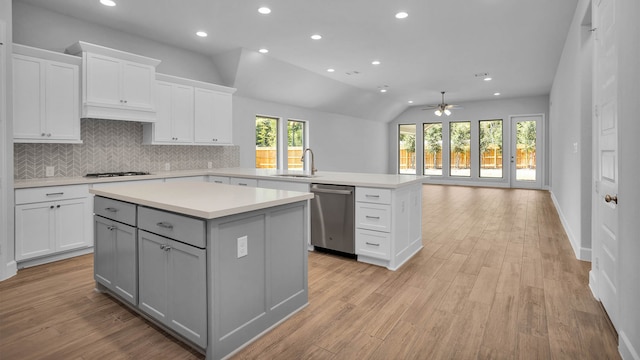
{"x":216,"y":265}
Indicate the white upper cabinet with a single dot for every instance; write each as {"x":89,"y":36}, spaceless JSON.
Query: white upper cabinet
{"x":46,"y":96}
{"x":190,"y":112}
{"x":116,"y":85}
{"x":174,"y":123}
{"x":213,"y":117}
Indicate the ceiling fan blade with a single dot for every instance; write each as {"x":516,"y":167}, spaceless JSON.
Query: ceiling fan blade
{"x":453,"y":106}
{"x":430,"y":107}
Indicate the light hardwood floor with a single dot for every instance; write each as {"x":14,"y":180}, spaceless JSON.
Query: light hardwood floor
{"x":496,"y":279}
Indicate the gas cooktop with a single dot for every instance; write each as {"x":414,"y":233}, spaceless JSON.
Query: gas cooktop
{"x":122,"y":173}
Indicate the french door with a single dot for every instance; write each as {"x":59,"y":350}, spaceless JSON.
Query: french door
{"x":526,"y":151}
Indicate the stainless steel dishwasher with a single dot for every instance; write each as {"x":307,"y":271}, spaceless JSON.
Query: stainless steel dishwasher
{"x":332,"y":217}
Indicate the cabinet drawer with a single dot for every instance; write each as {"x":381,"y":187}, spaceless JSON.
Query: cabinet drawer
{"x":41,"y":194}
{"x":121,"y":211}
{"x":219,"y":179}
{"x":373,"y":243}
{"x":179,"y":227}
{"x":373,"y":217}
{"x":243,"y":182}
{"x":373,"y":195}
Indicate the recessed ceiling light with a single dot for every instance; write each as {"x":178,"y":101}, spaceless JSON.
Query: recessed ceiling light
{"x":410,"y":101}
{"x":488,"y":78}
{"x":383,"y":90}
{"x":331,"y":70}
{"x":201,"y":34}
{"x":496,"y":94}
{"x":108,"y":2}
{"x":375,"y":62}
{"x":401,"y":15}
{"x":263,"y":51}
{"x":264,"y":10}
{"x":316,"y":36}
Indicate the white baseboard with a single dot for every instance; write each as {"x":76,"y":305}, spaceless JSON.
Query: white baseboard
{"x":580,"y":252}
{"x":593,"y":284}
{"x":626,"y":349}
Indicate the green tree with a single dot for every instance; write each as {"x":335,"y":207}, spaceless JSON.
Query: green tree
{"x":433,"y":141}
{"x":266,"y":132}
{"x":408,"y":142}
{"x":460,"y":140}
{"x":295,"y":133}
{"x":526,"y":136}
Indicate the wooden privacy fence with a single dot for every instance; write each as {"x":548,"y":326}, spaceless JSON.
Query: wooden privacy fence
{"x":267,"y":157}
{"x":491,"y":159}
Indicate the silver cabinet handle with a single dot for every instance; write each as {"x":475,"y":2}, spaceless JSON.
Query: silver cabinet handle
{"x":372,"y":196}
{"x":111,"y":228}
{"x":110,"y":209}
{"x":55,"y":194}
{"x":329,"y":191}
{"x":372,"y":244}
{"x":165,"y":225}
{"x":167,"y":248}
{"x":372,"y":217}
{"x":51,"y":207}
{"x":242,"y":184}
{"x":218,"y":182}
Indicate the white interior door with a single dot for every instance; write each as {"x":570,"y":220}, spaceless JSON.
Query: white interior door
{"x":526,"y":151}
{"x":604,"y":275}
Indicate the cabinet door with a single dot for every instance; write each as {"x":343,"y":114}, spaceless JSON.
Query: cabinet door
{"x":126,"y":262}
{"x":34,"y":230}
{"x":102,"y":82}
{"x":162,"y":126}
{"x":152,"y":275}
{"x":137,"y":88}
{"x":187,"y":291}
{"x":213,"y":122}
{"x":182,"y":113}
{"x":104,"y":251}
{"x":28,"y":93}
{"x":62,"y":101}
{"x":72,"y":222}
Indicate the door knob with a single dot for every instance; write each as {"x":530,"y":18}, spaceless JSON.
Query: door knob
{"x":608,"y":198}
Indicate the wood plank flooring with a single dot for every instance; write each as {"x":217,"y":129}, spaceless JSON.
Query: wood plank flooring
{"x":496,"y":279}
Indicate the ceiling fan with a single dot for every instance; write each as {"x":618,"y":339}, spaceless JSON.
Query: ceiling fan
{"x":442,"y":108}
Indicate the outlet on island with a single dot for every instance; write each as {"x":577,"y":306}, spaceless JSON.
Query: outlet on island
{"x":167,"y":167}
{"x":242,"y":247}
{"x":49,"y":171}
{"x":209,"y":165}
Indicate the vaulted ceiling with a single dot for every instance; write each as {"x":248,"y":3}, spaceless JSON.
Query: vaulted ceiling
{"x":440,"y":46}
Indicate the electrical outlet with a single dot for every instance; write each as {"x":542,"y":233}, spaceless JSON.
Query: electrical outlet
{"x":210,"y":165}
{"x":167,"y":166}
{"x":49,"y":171}
{"x":242,"y":247}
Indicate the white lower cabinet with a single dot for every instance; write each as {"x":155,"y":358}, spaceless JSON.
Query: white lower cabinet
{"x":218,"y":179}
{"x":172,"y":285}
{"x":51,"y":220}
{"x":243,"y":182}
{"x":116,"y":257}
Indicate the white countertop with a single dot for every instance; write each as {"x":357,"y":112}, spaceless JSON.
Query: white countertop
{"x":201,"y":199}
{"x":391,"y":181}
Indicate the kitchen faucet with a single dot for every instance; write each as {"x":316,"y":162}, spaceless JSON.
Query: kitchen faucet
{"x":313,"y":166}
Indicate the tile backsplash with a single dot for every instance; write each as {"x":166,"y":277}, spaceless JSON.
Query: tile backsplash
{"x":110,"y":145}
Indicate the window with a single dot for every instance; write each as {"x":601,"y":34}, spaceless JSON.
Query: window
{"x":407,"y":149}
{"x":266,"y":142}
{"x":432,"y":148}
{"x":295,"y":144}
{"x":491,"y":148}
{"x":460,"y":147}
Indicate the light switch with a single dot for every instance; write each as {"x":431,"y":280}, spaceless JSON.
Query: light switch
{"x":242,"y":247}
{"x":575,"y":147}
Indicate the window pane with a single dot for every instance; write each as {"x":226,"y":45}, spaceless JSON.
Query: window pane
{"x":526,"y":150}
{"x":460,"y":133}
{"x":295,"y":144}
{"x":266,"y":143}
{"x":491,"y":148}
{"x":432,"y":149}
{"x":407,"y":149}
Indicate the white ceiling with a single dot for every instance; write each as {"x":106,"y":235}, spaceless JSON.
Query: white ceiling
{"x":438,"y":47}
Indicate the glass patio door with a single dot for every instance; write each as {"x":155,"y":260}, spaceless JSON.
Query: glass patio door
{"x":526,"y":151}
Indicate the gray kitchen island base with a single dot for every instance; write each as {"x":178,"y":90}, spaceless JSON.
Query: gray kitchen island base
{"x":216,"y":276}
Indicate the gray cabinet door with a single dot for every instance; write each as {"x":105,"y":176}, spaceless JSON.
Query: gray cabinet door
{"x":116,"y":258}
{"x":172,"y":279}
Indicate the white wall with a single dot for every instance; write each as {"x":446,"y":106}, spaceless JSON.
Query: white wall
{"x":570,"y":124}
{"x":627,"y":14}
{"x":340,"y":143}
{"x":7,"y":263}
{"x":472,"y":111}
{"x":44,"y":29}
